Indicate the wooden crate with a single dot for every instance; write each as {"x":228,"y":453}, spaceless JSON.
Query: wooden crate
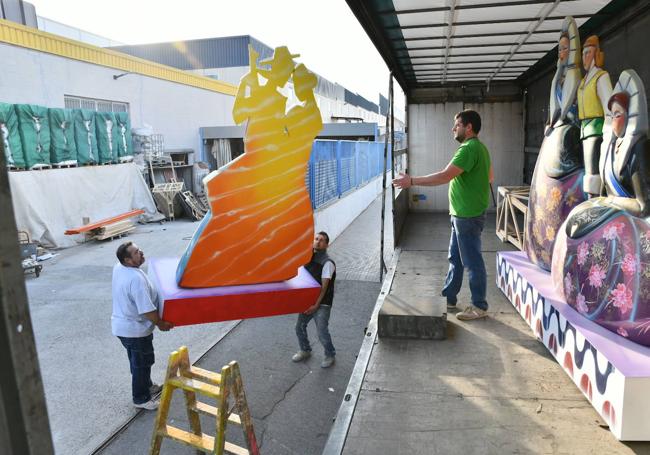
{"x":512,"y":212}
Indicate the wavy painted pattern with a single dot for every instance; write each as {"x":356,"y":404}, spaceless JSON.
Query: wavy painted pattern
{"x":601,"y":383}
{"x":260,"y":225}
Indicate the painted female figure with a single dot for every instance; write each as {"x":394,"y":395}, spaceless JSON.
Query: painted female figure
{"x":601,"y":261}
{"x":556,"y":186}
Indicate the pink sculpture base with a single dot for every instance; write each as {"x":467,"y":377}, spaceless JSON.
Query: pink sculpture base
{"x":197,"y":306}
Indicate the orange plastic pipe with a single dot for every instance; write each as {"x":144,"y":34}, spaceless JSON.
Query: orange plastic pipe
{"x":104,"y":222}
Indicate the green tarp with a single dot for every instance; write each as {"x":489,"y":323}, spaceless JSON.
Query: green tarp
{"x":84,"y":135}
{"x":106,"y":137}
{"x":124,"y":142}
{"x":34,"y":128}
{"x":11,"y":136}
{"x":63,"y":149}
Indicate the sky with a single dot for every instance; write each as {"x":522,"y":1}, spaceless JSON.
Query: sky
{"x":328,"y":37}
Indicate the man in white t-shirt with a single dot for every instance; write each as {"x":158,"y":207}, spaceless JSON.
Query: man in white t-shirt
{"x":323,"y":269}
{"x":135,"y":314}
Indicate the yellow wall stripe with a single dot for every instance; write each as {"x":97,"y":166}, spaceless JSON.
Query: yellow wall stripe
{"x":31,"y":38}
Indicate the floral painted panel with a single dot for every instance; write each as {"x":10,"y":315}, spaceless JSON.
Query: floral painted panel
{"x":605,"y":275}
{"x":551,"y":200}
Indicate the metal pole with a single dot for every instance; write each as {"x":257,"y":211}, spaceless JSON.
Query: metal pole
{"x":391,"y":97}
{"x":24,"y":424}
{"x":382,"y":264}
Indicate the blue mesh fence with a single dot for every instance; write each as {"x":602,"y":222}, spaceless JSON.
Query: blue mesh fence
{"x":337,"y":167}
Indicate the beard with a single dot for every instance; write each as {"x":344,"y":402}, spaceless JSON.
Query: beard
{"x":459,"y":137}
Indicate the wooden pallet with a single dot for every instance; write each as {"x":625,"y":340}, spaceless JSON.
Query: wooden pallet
{"x":512,"y":213}
{"x":192,"y":207}
{"x":203,"y":201}
{"x":113,"y":231}
{"x":64,"y":166}
{"x":41,"y":167}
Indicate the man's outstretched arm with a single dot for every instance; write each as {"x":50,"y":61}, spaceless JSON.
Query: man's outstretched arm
{"x":435,"y":179}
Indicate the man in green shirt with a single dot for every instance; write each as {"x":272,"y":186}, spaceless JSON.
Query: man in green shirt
{"x":469,"y":174}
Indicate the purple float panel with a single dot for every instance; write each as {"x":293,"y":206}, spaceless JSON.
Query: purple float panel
{"x":612,"y":372}
{"x":196,"y":306}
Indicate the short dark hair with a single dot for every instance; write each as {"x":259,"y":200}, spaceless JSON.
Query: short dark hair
{"x":324,"y":234}
{"x":468,"y":116}
{"x":123,"y":252}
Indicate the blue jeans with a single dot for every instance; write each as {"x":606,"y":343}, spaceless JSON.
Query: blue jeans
{"x":465,"y":253}
{"x":322,"y":319}
{"x":141,"y":357}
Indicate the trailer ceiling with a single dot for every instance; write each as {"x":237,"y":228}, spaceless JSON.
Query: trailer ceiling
{"x":442,"y":43}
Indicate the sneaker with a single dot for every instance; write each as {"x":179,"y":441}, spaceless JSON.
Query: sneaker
{"x":470,"y":313}
{"x":300,"y":356}
{"x":150,"y":405}
{"x":155,"y":389}
{"x":327,"y":362}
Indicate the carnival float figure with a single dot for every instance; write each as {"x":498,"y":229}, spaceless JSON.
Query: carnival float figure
{"x":260,"y":225}
{"x":593,"y":94}
{"x":556,"y":187}
{"x":601,"y":261}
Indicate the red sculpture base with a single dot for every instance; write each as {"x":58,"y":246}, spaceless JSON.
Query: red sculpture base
{"x":197,"y":306}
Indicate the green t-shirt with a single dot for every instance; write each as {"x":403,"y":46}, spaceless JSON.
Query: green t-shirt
{"x":469,"y":192}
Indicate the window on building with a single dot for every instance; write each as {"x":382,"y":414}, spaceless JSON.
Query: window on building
{"x":78,"y":102}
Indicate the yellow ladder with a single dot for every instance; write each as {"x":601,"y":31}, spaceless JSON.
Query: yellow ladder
{"x":192,"y":380}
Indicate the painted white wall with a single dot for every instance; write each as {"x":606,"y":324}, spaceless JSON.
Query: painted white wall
{"x":432,"y":145}
{"x":175,"y":110}
{"x":336,"y":217}
{"x":502,"y":132}
{"x":232,"y":75}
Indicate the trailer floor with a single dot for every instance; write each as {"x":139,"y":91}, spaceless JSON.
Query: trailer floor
{"x":490,"y":388}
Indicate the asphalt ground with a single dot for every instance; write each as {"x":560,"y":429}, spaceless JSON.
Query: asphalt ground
{"x":292,"y":405}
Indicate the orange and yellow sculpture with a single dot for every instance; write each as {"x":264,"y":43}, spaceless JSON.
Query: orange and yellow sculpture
{"x":260,"y":225}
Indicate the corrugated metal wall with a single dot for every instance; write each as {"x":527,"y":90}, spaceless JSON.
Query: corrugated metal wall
{"x":432,"y":145}
{"x":502,"y":132}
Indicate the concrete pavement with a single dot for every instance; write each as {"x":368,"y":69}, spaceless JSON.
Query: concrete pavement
{"x":292,"y":405}
{"x":85,"y":370}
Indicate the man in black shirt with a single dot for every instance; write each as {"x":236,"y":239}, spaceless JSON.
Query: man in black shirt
{"x":323,"y":269}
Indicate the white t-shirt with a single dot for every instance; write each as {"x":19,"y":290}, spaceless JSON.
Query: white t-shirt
{"x":328,"y":270}
{"x":133,"y":295}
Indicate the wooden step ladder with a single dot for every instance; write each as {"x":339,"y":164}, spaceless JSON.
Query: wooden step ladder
{"x":192,"y":380}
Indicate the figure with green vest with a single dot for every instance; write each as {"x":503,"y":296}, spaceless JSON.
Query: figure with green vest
{"x":593,"y":93}
{"x":469,"y":174}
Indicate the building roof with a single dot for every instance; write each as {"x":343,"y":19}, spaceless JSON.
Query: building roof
{"x":224,"y":52}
